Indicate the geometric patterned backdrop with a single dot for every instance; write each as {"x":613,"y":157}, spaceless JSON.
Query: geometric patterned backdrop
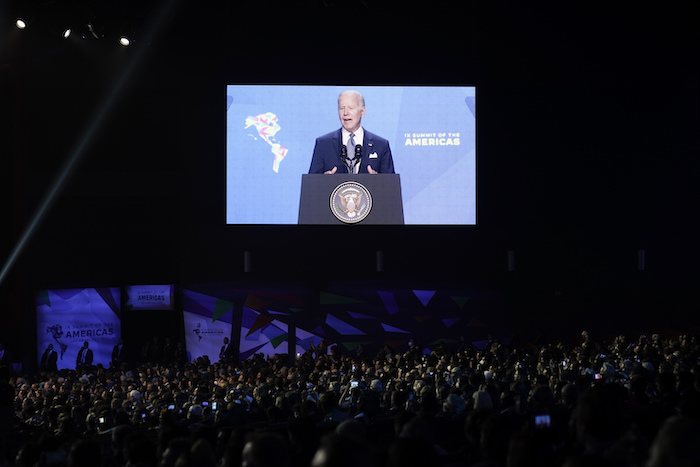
{"x":352,"y":313}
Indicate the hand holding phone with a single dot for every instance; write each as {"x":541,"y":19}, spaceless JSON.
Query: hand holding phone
{"x":543,"y":421}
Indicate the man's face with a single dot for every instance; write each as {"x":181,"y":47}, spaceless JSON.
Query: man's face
{"x":350,"y":111}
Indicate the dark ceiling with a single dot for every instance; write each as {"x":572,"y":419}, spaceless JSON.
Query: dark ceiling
{"x":587,"y":141}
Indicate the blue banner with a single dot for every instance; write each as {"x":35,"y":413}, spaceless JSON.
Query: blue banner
{"x":69,"y":318}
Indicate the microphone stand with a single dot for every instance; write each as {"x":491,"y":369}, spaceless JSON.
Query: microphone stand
{"x":350,"y":164}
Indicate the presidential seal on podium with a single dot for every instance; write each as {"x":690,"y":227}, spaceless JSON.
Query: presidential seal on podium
{"x":350,"y":202}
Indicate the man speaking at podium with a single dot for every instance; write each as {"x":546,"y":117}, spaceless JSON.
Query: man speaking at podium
{"x":351,"y":149}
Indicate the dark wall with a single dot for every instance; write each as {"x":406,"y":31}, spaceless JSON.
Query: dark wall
{"x":587,"y":151}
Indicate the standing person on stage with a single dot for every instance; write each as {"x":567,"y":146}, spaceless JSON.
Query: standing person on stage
{"x":351,"y":149}
{"x":226,"y":350}
{"x":84,"y":356}
{"x":49,"y":359}
{"x":152,"y":351}
{"x":118,"y":354}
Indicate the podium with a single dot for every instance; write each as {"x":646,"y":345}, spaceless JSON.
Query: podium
{"x":351,"y":199}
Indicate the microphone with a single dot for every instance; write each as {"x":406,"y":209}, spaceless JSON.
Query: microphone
{"x":344,"y":157}
{"x":351,"y":163}
{"x":356,"y":161}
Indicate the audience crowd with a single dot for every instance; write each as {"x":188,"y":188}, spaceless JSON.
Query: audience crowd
{"x":628,"y":402}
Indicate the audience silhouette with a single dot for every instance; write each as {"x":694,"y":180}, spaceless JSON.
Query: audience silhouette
{"x":630,"y":402}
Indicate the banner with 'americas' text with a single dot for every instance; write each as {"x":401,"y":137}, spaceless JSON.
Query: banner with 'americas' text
{"x":69,"y":318}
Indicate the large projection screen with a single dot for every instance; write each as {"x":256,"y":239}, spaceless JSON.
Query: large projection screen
{"x":271,"y":132}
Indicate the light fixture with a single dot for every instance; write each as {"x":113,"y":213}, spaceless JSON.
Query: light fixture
{"x":24,"y":15}
{"x":126,"y":34}
{"x":96,"y":29}
{"x":67,"y":32}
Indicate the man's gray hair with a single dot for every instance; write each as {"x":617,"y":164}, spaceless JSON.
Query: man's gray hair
{"x":357,"y":95}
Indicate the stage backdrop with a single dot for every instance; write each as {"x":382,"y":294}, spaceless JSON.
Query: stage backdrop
{"x":351,"y":313}
{"x":261,"y":333}
{"x":271,"y":132}
{"x":67,"y":318}
{"x":265,"y":311}
{"x":149,"y":297}
{"x":207,"y":321}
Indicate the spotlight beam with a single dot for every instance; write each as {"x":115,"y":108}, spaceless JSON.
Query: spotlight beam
{"x":77,"y":153}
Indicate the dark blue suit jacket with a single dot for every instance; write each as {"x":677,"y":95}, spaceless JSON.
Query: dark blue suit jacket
{"x":375,"y":152}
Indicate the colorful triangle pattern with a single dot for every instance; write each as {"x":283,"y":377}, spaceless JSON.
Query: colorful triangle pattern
{"x":341,"y":327}
{"x":450,"y":321}
{"x":260,"y":322}
{"x":278,"y":340}
{"x":389,"y":302}
{"x":256,"y":303}
{"x":460,"y":301}
{"x":360,"y":316}
{"x":333,"y":299}
{"x":42,"y":297}
{"x":221,"y":307}
{"x":388,"y":328}
{"x":424,"y":296}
